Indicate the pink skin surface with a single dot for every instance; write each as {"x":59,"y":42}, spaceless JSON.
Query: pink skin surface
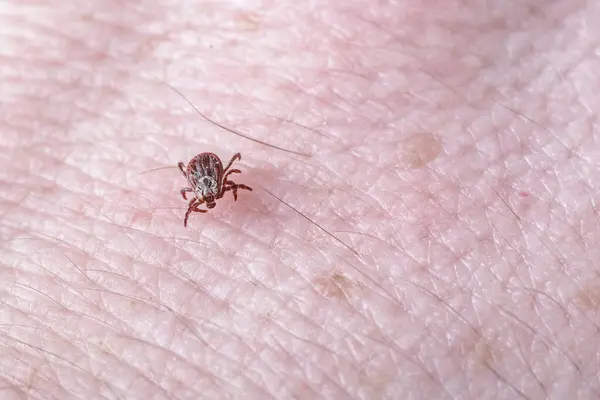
{"x":439,"y":236}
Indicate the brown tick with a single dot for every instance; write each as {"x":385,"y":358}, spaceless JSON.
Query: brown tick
{"x":208,"y":181}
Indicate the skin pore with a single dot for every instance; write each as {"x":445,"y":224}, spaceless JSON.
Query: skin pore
{"x":424,"y":228}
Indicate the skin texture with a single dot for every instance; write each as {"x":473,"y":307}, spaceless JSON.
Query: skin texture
{"x":432,"y":235}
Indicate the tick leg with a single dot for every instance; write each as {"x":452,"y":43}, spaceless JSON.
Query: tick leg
{"x":193,"y":207}
{"x":236,"y":156}
{"x":234,"y":187}
{"x":225,"y":181}
{"x":184,"y":190}
{"x":182,"y":168}
{"x":231,"y":171}
{"x":189,"y":210}
{"x":196,"y":209}
{"x":232,"y":184}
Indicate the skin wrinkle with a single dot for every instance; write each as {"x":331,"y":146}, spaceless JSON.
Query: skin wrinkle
{"x":394,"y":350}
{"x":239,"y":338}
{"x":14,"y":388}
{"x":53,"y":300}
{"x":315,"y":223}
{"x":319,"y":346}
{"x":256,"y":357}
{"x":49,"y":215}
{"x":272,"y":368}
{"x":282,"y":348}
{"x":205,"y":343}
{"x":334,"y":176}
{"x":531,"y":371}
{"x":190,"y":329}
{"x":145,"y":376}
{"x":45,"y":352}
{"x":560,"y":261}
{"x":541,"y":337}
{"x":322,"y":370}
{"x":433,"y":377}
{"x":554,"y":301}
{"x":567,"y":315}
{"x":201,"y":289}
{"x":507,"y":383}
{"x":208,"y":322}
{"x":26,"y":386}
{"x":178,"y":357}
{"x":313,"y":322}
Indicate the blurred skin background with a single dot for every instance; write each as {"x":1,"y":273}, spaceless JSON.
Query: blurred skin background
{"x":423,"y":222}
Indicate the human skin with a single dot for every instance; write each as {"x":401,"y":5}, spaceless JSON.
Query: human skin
{"x":425,"y":230}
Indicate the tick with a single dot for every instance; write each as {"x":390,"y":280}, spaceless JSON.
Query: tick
{"x":208,"y":181}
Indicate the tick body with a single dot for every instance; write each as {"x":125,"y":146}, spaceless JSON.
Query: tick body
{"x":208,"y":181}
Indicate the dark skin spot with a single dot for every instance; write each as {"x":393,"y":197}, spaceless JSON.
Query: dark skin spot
{"x":335,"y":286}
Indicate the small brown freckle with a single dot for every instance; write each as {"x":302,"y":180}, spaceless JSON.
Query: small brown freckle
{"x":334,"y":286}
{"x":377,"y":381}
{"x":589,"y":296}
{"x":479,"y":350}
{"x":419,"y":150}
{"x":482,"y":352}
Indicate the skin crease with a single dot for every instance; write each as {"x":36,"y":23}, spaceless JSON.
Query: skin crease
{"x":439,"y":237}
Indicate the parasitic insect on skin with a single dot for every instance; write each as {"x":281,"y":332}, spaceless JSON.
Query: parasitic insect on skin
{"x":208,"y":181}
